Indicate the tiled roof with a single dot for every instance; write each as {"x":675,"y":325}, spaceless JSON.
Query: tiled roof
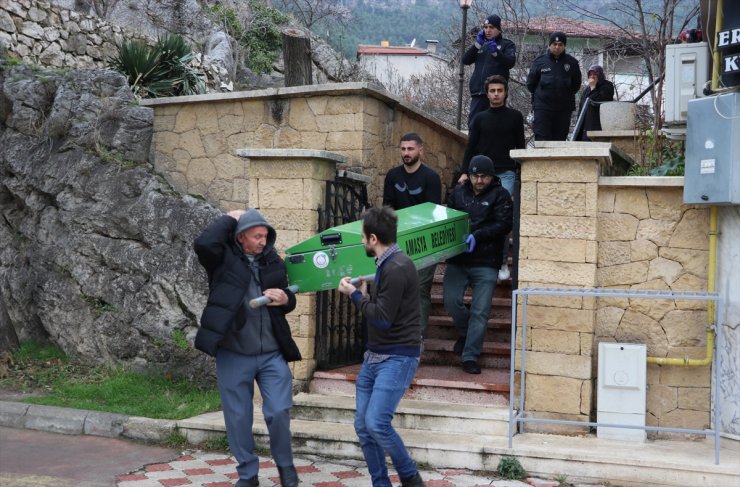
{"x":571,"y":27}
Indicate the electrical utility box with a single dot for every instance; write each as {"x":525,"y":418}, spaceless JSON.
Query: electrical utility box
{"x":712,"y":169}
{"x":686,"y":72}
{"x":621,"y":391}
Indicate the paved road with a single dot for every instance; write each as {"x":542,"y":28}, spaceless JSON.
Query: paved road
{"x":30,"y":458}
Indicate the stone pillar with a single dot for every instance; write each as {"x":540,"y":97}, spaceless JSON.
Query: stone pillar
{"x":558,"y":248}
{"x":288,"y":186}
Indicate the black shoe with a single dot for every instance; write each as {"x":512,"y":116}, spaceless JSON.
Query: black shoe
{"x":414,"y":481}
{"x":471,"y":367}
{"x":250,"y":482}
{"x":288,"y":476}
{"x":459,"y":346}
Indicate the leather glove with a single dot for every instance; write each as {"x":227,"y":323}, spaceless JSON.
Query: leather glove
{"x":480,"y":38}
{"x":470,"y":242}
{"x":492,"y":46}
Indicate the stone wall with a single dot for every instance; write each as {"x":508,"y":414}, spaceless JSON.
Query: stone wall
{"x":275,"y":149}
{"x":42,"y":34}
{"x":196,"y":138}
{"x":585,"y":231}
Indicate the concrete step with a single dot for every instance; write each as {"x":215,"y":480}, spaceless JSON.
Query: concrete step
{"x":494,"y":355}
{"x":411,"y":414}
{"x":432,"y":383}
{"x":442,"y":327}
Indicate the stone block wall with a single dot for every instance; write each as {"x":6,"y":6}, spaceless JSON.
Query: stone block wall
{"x":558,"y":249}
{"x":585,"y":231}
{"x":37,"y":32}
{"x":196,"y":138}
{"x":648,"y":239}
{"x":275,"y":149}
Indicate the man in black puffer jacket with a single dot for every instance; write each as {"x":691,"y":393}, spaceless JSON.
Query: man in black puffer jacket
{"x":554,"y":79}
{"x":492,"y":54}
{"x":237,"y":251}
{"x":491,"y":215}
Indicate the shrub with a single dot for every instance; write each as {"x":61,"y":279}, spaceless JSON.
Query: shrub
{"x":510,"y":468}
{"x":159,"y":70}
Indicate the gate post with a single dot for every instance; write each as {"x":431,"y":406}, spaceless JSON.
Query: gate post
{"x":558,"y":248}
{"x":287,"y":186}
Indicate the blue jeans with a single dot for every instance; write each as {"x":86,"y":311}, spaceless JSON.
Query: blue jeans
{"x":236,"y":374}
{"x":471,"y":323}
{"x":380,"y":387}
{"x":508,"y":178}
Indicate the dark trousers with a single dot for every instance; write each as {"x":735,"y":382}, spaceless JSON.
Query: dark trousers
{"x":478,"y":103}
{"x":551,"y":125}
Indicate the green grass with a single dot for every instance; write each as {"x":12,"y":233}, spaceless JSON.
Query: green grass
{"x":65,"y":383}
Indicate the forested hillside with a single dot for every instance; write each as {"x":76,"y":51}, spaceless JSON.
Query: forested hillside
{"x":401,"y":21}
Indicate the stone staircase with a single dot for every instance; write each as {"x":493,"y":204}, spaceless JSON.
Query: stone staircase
{"x":447,"y":418}
{"x":440,"y":376}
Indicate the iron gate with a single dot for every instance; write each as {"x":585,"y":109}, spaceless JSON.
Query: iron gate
{"x":341,"y":332}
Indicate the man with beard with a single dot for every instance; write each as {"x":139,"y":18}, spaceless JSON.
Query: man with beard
{"x":409,"y":184}
{"x":489,"y":206}
{"x":393,"y":348}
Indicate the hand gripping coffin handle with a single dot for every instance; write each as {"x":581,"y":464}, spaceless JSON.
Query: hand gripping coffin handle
{"x":264,"y":300}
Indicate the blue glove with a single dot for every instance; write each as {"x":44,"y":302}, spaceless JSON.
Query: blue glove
{"x":470,"y":242}
{"x":480,"y":38}
{"x":491,"y":45}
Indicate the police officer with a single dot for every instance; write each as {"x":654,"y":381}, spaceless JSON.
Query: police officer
{"x":554,"y":79}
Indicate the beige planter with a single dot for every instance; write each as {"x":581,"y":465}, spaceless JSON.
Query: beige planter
{"x":617,"y":115}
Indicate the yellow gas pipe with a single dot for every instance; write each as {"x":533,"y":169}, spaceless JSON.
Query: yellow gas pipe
{"x":712,"y":242}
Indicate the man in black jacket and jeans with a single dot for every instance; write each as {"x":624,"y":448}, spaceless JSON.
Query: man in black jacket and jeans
{"x":237,"y":251}
{"x":490,"y":209}
{"x":554,"y":79}
{"x":492,"y":54}
{"x":494,"y":133}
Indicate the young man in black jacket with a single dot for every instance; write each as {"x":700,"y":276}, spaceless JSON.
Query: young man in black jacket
{"x":554,"y":79}
{"x":237,"y":251}
{"x":494,"y":133}
{"x":492,"y":54}
{"x":393,"y":348}
{"x":409,"y":184}
{"x":490,"y":209}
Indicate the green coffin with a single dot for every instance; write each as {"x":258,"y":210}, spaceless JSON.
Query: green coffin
{"x":428,"y":233}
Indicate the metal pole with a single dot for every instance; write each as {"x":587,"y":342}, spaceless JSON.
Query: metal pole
{"x":462,"y":66}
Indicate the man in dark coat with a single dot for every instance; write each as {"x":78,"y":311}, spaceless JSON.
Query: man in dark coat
{"x":494,"y":133}
{"x":490,"y":209}
{"x":409,"y":184}
{"x":250,"y":344}
{"x":599,"y":90}
{"x":554,"y":79}
{"x":492,"y":54}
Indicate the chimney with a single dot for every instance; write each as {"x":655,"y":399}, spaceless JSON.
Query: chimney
{"x":432,"y":45}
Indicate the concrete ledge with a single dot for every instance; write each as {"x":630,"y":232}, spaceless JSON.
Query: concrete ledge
{"x":147,"y":429}
{"x":332,"y":89}
{"x":104,"y":424}
{"x":13,"y":414}
{"x":292,"y":154}
{"x":647,"y":181}
{"x":56,"y":420}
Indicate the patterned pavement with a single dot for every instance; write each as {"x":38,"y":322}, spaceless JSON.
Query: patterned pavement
{"x":206,"y":469}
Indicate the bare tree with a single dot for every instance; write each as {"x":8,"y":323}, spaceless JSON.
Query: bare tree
{"x":311,"y":12}
{"x":646,"y":31}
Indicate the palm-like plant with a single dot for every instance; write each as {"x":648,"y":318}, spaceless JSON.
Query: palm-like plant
{"x":159,"y":70}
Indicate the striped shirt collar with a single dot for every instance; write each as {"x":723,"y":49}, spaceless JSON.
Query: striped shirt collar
{"x":388,"y":252}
